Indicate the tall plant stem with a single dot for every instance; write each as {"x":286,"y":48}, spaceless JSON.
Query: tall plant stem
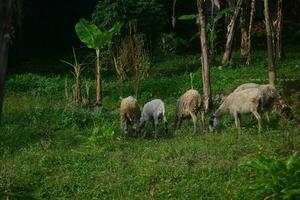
{"x":98,"y":79}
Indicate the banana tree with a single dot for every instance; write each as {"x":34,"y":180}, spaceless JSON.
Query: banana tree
{"x":96,"y":39}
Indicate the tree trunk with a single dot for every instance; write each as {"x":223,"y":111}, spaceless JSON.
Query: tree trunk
{"x":279,"y":47}
{"x":98,"y":79}
{"x":269,"y":43}
{"x":214,"y":4}
{"x":252,"y":12}
{"x":204,"y":53}
{"x":5,"y":26}
{"x":244,"y":35}
{"x":230,"y":33}
{"x":230,"y":4}
{"x":174,"y":15}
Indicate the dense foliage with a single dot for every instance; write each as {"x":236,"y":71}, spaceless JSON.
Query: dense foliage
{"x":92,"y":36}
{"x":150,"y":16}
{"x":51,"y":150}
{"x":275,"y":179}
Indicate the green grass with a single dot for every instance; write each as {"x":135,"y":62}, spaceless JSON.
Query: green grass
{"x":46,"y":151}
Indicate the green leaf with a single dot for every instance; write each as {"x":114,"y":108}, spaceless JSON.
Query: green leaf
{"x":289,"y":193}
{"x":92,"y":36}
{"x":194,"y":36}
{"x":87,"y":33}
{"x":254,"y":187}
{"x":256,"y":165}
{"x":222,"y":13}
{"x":290,"y":165}
{"x":116,"y":28}
{"x":101,"y":39}
{"x":188,"y":17}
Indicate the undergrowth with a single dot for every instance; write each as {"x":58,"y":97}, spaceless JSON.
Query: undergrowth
{"x":50,"y":149}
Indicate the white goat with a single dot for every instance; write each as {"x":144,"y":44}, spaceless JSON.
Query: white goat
{"x":153,"y":110}
{"x":237,"y":103}
{"x":270,"y":99}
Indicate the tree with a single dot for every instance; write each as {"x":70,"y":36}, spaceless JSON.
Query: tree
{"x":230,"y":32}
{"x":246,"y":30}
{"x":252,"y":12}
{"x":204,"y":55}
{"x":96,"y":39}
{"x":5,"y":27}
{"x":212,"y":28}
{"x":269,"y":43}
{"x":279,"y":47}
{"x":244,"y":33}
{"x":202,"y":28}
{"x":149,"y":15}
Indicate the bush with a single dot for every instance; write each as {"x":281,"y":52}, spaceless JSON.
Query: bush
{"x":275,"y":179}
{"x":100,"y":135}
{"x":36,"y":84}
{"x":75,"y":118}
{"x":173,"y":43}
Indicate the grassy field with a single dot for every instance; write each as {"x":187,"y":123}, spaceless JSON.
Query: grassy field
{"x":51,"y":150}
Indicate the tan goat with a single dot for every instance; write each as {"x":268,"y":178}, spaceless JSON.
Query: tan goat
{"x":188,"y":105}
{"x":130,"y":114}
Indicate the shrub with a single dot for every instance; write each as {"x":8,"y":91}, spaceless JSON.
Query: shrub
{"x":75,"y":118}
{"x":36,"y":84}
{"x":275,"y":179}
{"x":100,"y":135}
{"x":173,"y":43}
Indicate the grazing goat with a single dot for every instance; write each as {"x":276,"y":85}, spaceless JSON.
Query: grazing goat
{"x":237,"y":103}
{"x":152,"y":111}
{"x":130,"y":114}
{"x":188,"y":105}
{"x":270,"y":99}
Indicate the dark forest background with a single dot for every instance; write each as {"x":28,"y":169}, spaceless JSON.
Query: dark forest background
{"x":46,"y":27}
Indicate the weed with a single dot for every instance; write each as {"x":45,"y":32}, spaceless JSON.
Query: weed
{"x":275,"y":179}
